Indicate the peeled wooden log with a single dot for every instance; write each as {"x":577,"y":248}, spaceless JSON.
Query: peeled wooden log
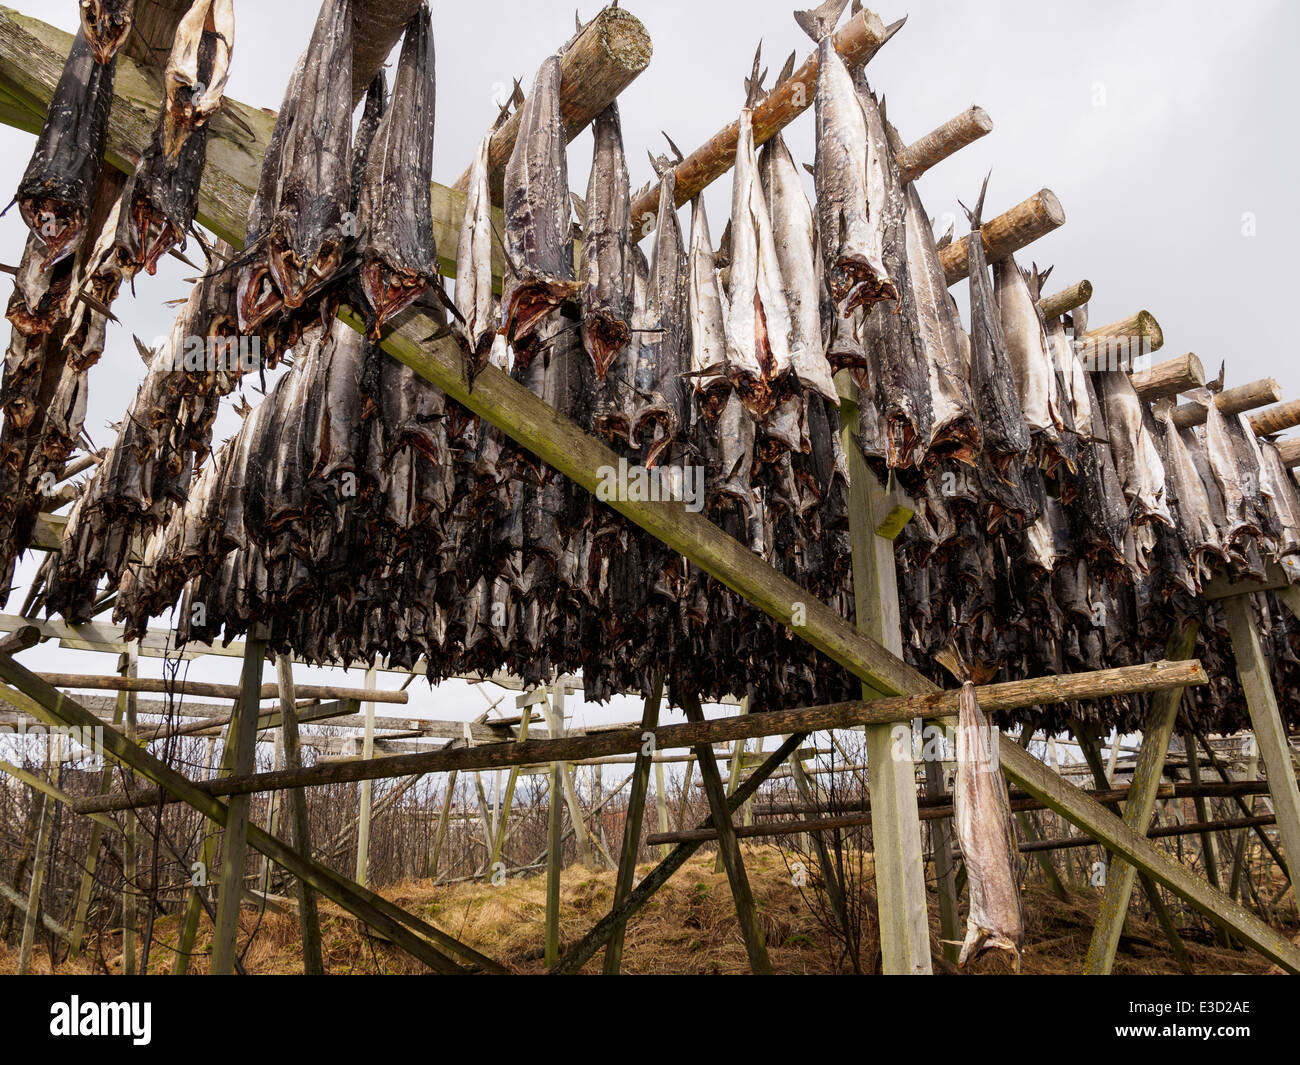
{"x":860,"y":38}
{"x":1170,"y":377}
{"x":1290,"y":452}
{"x":1005,"y":235}
{"x":606,"y":57}
{"x":1120,"y":345}
{"x":938,"y":144}
{"x":1274,"y":419}
{"x":208,"y":690}
{"x":376,"y":27}
{"x":1066,"y":300}
{"x":153,"y":25}
{"x":1231,"y":401}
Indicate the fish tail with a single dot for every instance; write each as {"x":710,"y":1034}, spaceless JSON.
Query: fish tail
{"x":819,"y":22}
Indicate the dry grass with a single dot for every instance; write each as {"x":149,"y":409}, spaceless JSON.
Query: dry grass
{"x":689,"y":926}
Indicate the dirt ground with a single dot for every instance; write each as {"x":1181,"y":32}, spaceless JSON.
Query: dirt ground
{"x":689,"y":926}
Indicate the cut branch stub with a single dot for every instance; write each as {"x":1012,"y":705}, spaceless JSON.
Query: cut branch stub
{"x":1066,"y":300}
{"x":938,"y":144}
{"x":1231,"y":401}
{"x":1005,"y":235}
{"x":1122,"y":345}
{"x":1290,"y":452}
{"x":859,"y":40}
{"x":1170,"y":377}
{"x":1275,"y":419}
{"x":600,"y":63}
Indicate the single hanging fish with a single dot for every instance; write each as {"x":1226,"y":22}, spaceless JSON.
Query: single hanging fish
{"x":475,"y":301}
{"x":1193,"y":514}
{"x":1142,"y":474}
{"x":107,"y":25}
{"x":606,"y":234}
{"x":395,"y":214}
{"x":197,"y":70}
{"x":758,"y":323}
{"x":538,"y":239}
{"x":58,"y":186}
{"x":850,"y":235}
{"x":309,"y":232}
{"x":708,"y":311}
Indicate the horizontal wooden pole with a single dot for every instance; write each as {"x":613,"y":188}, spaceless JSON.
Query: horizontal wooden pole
{"x":939,"y":144}
{"x":207,"y":689}
{"x":1168,"y":378}
{"x":1191,"y":828}
{"x":1231,"y":401}
{"x":1131,"y":338}
{"x":603,"y":61}
{"x":857,"y":41}
{"x":1006,"y":234}
{"x":1290,"y":452}
{"x":1274,"y":419}
{"x":1059,"y":303}
{"x":1154,"y":676}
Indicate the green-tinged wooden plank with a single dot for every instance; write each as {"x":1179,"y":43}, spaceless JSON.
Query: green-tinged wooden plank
{"x":1270,"y":732}
{"x":1138,"y":808}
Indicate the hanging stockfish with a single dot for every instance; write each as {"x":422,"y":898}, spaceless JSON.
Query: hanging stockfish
{"x":1142,"y":474}
{"x":476,"y":303}
{"x":197,"y":71}
{"x":708,"y":311}
{"x":106,"y":24}
{"x":606,"y":240}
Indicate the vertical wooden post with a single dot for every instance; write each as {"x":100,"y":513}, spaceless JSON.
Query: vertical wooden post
{"x":367,"y":789}
{"x":685,"y":803}
{"x":735,"y":765}
{"x":503,"y":814}
{"x":741,"y":894}
{"x":443,"y":818}
{"x":235,"y":843}
{"x":273,"y":814}
{"x":891,"y":780}
{"x":130,"y":667}
{"x":1138,"y":807}
{"x":554,"y":851}
{"x":1270,"y":732}
{"x":830,"y":876}
{"x":28,"y":942}
{"x":661,"y":802}
{"x":313,"y":960}
{"x":944,"y":871}
{"x":632,"y":825}
{"x":190,"y":924}
{"x":554,"y":711}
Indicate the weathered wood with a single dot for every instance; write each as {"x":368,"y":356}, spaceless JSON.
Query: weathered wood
{"x":1274,"y":419}
{"x":416,"y":937}
{"x":313,"y":963}
{"x":1265,"y":718}
{"x":1137,"y":810}
{"x":234,"y":844}
{"x":1120,"y":838}
{"x":604,"y":59}
{"x":153,"y":28}
{"x":1066,"y":300}
{"x":1222,"y":586}
{"x":30,"y":911}
{"x":1231,"y":401}
{"x":1122,"y":345}
{"x":632,"y":824}
{"x":376,"y":27}
{"x":554,"y":863}
{"x":1154,"y":676}
{"x":857,"y":42}
{"x":367,"y":789}
{"x":1006,"y":234}
{"x":1289,"y":450}
{"x":1168,"y":378}
{"x":938,"y":144}
{"x":91,"y":682}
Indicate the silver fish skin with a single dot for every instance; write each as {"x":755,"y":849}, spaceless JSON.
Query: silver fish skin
{"x":1031,"y":363}
{"x":394,"y":221}
{"x":308,"y":233}
{"x":794,"y":237}
{"x":606,"y":309}
{"x":846,"y":192}
{"x":538,"y":242}
{"x":983,"y":820}
{"x":1195,"y":525}
{"x":474,"y":298}
{"x":1137,"y":461}
{"x":708,"y":310}
{"x":1280,"y":491}
{"x":1075,"y":394}
{"x":758,"y":323}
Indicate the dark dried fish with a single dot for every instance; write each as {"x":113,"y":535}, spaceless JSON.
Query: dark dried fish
{"x":106,"y":24}
{"x":708,"y":312}
{"x":606,"y":234}
{"x":476,"y":303}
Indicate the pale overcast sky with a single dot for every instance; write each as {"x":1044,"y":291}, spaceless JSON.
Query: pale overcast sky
{"x":1159,"y":125}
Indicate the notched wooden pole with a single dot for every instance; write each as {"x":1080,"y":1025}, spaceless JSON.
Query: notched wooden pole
{"x":1066,"y":300}
{"x":1231,"y":401}
{"x":1006,"y":234}
{"x":938,"y":144}
{"x":1170,"y":377}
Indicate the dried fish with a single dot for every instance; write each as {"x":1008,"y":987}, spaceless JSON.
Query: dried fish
{"x":708,"y":312}
{"x":1142,"y":474}
{"x":394,"y":214}
{"x":606,"y":235}
{"x":106,"y":24}
{"x":476,"y":303}
{"x":197,"y":70}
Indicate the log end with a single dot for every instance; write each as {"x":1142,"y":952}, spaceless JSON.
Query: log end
{"x":624,"y":39}
{"x":1149,"y":329}
{"x":981,"y":121}
{"x":1052,"y":209}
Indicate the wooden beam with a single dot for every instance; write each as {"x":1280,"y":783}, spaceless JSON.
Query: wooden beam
{"x":1274,"y":419}
{"x":1231,"y":401}
{"x":1066,"y":300}
{"x":1122,"y":345}
{"x":938,"y":144}
{"x":602,"y":61}
{"x":1155,"y":676}
{"x":1290,"y":452}
{"x":1168,"y":378}
{"x":1139,"y":807}
{"x":1006,"y":234}
{"x":93,"y":682}
{"x":632,"y":823}
{"x":1266,"y":719}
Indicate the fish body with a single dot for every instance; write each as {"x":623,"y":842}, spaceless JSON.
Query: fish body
{"x":538,"y":241}
{"x":309,"y":232}
{"x":1142,"y":474}
{"x":708,"y":312}
{"x":606,"y":236}
{"x":197,"y":70}
{"x":395,"y":214}
{"x":57,"y":189}
{"x":475,"y":301}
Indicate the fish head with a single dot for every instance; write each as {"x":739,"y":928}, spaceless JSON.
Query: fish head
{"x":390,"y":289}
{"x":256,"y":297}
{"x":306,"y":248}
{"x":106,"y":23}
{"x":57,"y":223}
